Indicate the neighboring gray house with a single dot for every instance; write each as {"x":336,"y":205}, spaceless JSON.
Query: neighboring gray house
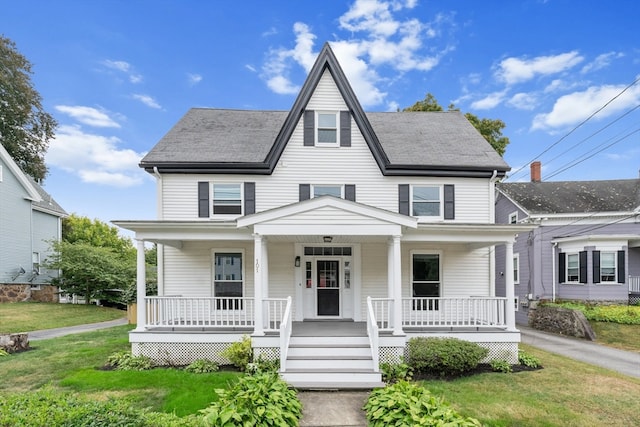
{"x":587,"y":245}
{"x":29,"y":219}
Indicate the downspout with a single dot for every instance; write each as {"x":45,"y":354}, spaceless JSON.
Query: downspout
{"x":553,"y":271}
{"x":160,"y":247}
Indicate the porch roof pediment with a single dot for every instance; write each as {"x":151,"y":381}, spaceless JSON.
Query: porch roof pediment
{"x":327,"y":214}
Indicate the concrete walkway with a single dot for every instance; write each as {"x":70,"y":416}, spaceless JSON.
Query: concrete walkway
{"x":45,"y":334}
{"x":625,"y":362}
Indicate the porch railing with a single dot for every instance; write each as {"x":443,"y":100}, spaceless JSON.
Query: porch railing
{"x":171,"y":311}
{"x":285,"y":334}
{"x":475,"y":312}
{"x":634,"y":284}
{"x":274,"y":310}
{"x":383,"y":312}
{"x":373,"y":333}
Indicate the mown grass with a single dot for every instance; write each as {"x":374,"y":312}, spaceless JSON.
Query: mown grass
{"x":33,"y":316}
{"x":564,"y":393}
{"x":624,"y":337}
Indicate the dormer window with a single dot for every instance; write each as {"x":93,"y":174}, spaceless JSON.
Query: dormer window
{"x":327,"y":130}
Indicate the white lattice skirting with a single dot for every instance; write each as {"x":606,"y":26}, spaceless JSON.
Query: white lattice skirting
{"x":179,"y":354}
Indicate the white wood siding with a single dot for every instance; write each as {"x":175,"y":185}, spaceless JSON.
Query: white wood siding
{"x":330,"y":166}
{"x":374,"y":274}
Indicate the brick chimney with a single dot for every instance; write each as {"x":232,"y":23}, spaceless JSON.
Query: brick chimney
{"x":535,"y":171}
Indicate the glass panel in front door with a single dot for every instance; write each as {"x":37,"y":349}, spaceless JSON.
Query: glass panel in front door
{"x":328,"y":285}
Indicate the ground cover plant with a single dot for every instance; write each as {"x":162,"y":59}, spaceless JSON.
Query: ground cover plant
{"x":33,"y":316}
{"x":623,"y":314}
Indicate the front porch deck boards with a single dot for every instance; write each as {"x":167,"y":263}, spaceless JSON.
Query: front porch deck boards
{"x":328,"y":328}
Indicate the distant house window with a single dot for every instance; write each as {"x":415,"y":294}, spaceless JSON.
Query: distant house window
{"x":35,"y":260}
{"x":227,"y":199}
{"x":573,"y":268}
{"x":608,"y":267}
{"x":425,"y":280}
{"x":513,"y":218}
{"x":327,"y":128}
{"x":228,"y":280}
{"x":516,"y":301}
{"x":425,"y":201}
{"x":327,"y":190}
{"x":516,"y":269}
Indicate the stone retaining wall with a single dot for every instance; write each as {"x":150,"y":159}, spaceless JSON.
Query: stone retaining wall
{"x":22,"y":292}
{"x":562,"y":321}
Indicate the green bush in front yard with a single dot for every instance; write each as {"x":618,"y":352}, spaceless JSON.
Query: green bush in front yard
{"x":408,"y":404}
{"x":255,"y":400}
{"x":444,"y":356}
{"x":126,"y":361}
{"x":239,"y":353}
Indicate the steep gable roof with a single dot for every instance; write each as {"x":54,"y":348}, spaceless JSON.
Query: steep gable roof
{"x":22,"y":178}
{"x":568,"y":197}
{"x":237,"y":141}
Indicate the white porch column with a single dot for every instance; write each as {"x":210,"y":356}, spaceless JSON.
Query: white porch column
{"x":141,"y":287}
{"x":265,"y":278}
{"x":510,"y":315}
{"x":397,"y":287}
{"x":257,"y":285}
{"x":391,"y":280}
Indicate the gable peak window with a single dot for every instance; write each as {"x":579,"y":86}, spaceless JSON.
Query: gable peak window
{"x":327,"y":132}
{"x":328,"y":190}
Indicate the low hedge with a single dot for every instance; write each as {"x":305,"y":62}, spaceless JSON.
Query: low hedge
{"x":444,"y":356}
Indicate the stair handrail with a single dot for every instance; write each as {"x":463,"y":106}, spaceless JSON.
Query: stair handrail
{"x":372,"y":332}
{"x":285,"y":334}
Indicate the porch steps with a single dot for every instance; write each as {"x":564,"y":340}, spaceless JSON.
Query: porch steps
{"x":331,"y":362}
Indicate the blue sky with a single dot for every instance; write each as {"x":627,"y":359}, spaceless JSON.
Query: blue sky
{"x":118,"y":74}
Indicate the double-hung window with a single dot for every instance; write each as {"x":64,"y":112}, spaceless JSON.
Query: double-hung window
{"x":227,"y":199}
{"x":608,"y":267}
{"x":425,"y":280}
{"x":516,"y":269}
{"x":228,"y":280}
{"x":573,"y":267}
{"x":425,"y":201}
{"x":327,"y":128}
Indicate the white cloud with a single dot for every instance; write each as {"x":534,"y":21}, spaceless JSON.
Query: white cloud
{"x":575,"y":107}
{"x":383,"y":40}
{"x":146,"y":100}
{"x":88,"y":116}
{"x":489,"y":101}
{"x":193,"y":79}
{"x":250,"y":68}
{"x":601,"y":61}
{"x":123,"y":67}
{"x":516,"y":70}
{"x":94,"y":158}
{"x":523,"y":101}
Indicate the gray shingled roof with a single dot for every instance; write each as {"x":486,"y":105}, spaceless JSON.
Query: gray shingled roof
{"x":239,"y":136}
{"x":48,"y":203}
{"x":560,"y":197}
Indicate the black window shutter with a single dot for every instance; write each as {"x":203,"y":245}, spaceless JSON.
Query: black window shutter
{"x":562,"y":267}
{"x":203,"y":199}
{"x":449,"y":202}
{"x":583,"y":267}
{"x":309,"y":128}
{"x":622,"y":275}
{"x":305,"y":192}
{"x":403,"y":199}
{"x":350,"y":192}
{"x":345,"y":129}
{"x":595,"y":256}
{"x":249,"y":198}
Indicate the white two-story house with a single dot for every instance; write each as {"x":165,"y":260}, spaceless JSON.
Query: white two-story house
{"x":329,"y":235}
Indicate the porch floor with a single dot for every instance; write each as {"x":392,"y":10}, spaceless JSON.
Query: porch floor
{"x":328,"y":328}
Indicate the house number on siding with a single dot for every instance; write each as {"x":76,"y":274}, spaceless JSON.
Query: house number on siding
{"x":257,"y":266}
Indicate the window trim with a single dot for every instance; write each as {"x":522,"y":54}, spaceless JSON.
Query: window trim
{"x":516,"y":269}
{"x":513,"y":217}
{"x":440,"y":188}
{"x":317,"y":127}
{"x":517,"y":302}
{"x":216,"y":251}
{"x":212,"y":185}
{"x":577,"y":281}
{"x":615,"y":268}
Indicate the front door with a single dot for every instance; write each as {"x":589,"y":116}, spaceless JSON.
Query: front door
{"x":328,"y":287}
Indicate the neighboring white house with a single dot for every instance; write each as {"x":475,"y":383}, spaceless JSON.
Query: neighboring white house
{"x":29,"y":220}
{"x":586,"y":246}
{"x":328,"y":234}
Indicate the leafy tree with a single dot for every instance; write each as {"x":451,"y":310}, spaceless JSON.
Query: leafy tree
{"x":80,"y":229}
{"x":490,"y":129}
{"x":92,"y":271}
{"x":25,"y":128}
